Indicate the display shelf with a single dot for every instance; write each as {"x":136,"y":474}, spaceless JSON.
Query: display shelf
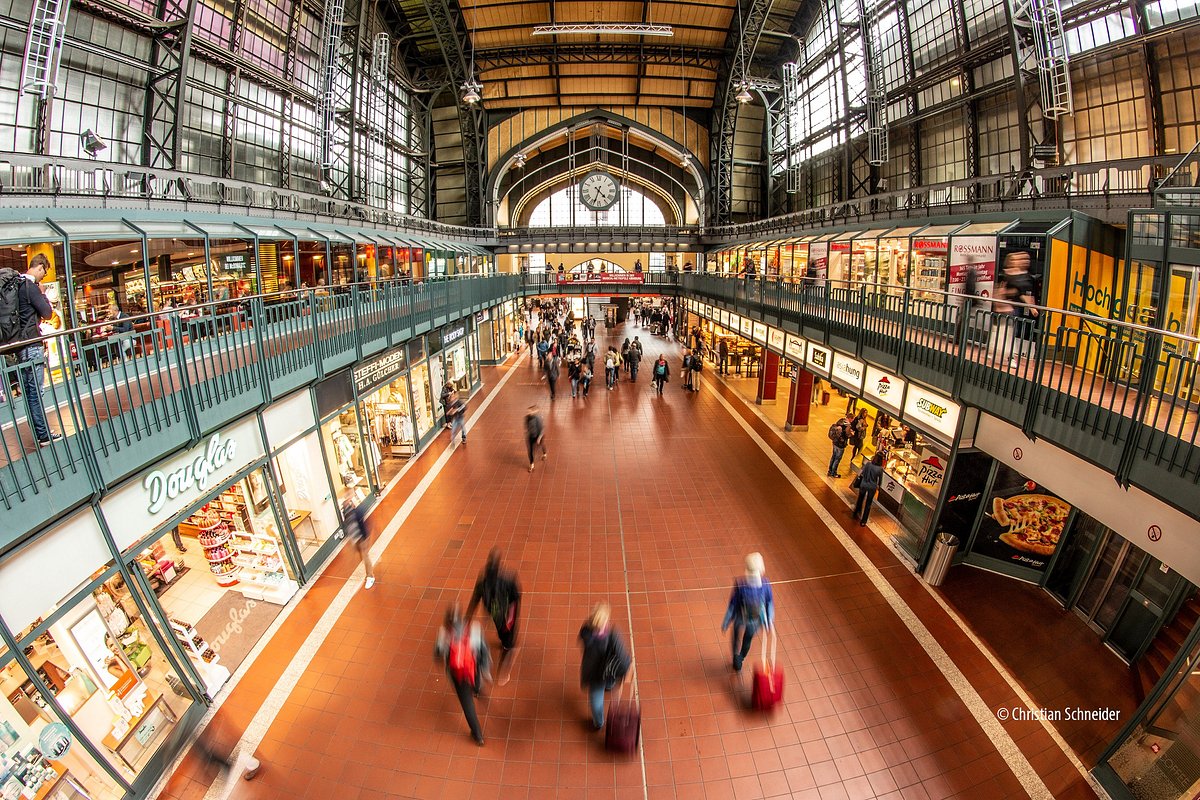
{"x":193,"y":642}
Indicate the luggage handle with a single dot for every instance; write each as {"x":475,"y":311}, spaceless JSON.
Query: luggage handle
{"x":629,"y":677}
{"x":770,"y":670}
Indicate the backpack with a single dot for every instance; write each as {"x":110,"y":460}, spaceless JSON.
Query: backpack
{"x":10,"y":305}
{"x":610,"y":361}
{"x":836,"y":434}
{"x":462,"y":658}
{"x":697,"y":363}
{"x":753,"y":605}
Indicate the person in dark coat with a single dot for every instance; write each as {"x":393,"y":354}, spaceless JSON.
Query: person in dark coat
{"x":605,"y":660}
{"x":500,"y":594}
{"x":535,"y":434}
{"x":868,"y":484}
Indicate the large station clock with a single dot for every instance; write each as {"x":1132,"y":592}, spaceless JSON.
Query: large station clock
{"x":598,"y":190}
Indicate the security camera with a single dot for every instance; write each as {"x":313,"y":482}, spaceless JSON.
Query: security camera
{"x":91,"y":143}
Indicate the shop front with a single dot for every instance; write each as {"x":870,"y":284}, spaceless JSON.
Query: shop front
{"x":204,"y":531}
{"x":301,"y":476}
{"x":381,"y":386}
{"x":96,"y":700}
{"x":346,"y":447}
{"x":422,"y":372}
{"x":456,"y":354}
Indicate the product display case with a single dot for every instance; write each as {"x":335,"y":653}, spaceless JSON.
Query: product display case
{"x":207,"y":662}
{"x":214,"y":535}
{"x":262,"y":571}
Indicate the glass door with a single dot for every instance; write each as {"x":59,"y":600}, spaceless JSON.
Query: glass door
{"x":1108,"y":586}
{"x":1075,"y":554}
{"x":1148,"y":600}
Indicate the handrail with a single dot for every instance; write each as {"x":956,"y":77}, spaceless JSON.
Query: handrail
{"x":213,"y":305}
{"x":977,"y":300}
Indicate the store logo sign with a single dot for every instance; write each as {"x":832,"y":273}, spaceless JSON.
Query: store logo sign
{"x":932,"y":471}
{"x":883,"y":387}
{"x":453,"y":334}
{"x":848,"y":370}
{"x":381,"y":369}
{"x":930,"y":407}
{"x":164,"y":486}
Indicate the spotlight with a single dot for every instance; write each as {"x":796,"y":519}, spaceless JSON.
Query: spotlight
{"x":326,"y":187}
{"x":520,"y":159}
{"x":685,"y":160}
{"x":91,"y":143}
{"x":743,"y":96}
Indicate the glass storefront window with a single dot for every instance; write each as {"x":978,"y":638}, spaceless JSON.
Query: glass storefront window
{"x":347,"y":457}
{"x":105,"y":669}
{"x":24,"y":714}
{"x":304,"y":486}
{"x":422,"y":399}
{"x":389,"y":423}
{"x":103,"y":272}
{"x":456,"y":367}
{"x":343,"y":258}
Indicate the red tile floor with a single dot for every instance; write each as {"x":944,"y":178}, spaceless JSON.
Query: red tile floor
{"x":651,"y":503}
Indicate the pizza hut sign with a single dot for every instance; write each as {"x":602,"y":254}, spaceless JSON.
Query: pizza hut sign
{"x":932,"y":469}
{"x":887,"y":390}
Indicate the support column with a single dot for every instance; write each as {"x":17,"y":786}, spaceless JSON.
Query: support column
{"x":768,"y":377}
{"x":800,"y":401}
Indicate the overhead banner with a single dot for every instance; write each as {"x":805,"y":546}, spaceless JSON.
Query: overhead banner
{"x":600,"y":277}
{"x":819,"y":359}
{"x":932,"y":412}
{"x":884,"y":389}
{"x":973,"y":254}
{"x":793,"y":348}
{"x":848,"y":372}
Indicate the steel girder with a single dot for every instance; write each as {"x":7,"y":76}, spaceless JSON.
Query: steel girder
{"x":170,"y":49}
{"x":454,"y":42}
{"x":739,"y":49}
{"x":599,"y":53}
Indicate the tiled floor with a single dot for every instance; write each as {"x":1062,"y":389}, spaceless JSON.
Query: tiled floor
{"x":650,"y":502}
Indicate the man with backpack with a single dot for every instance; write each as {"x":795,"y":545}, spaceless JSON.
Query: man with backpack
{"x":500,"y":594}
{"x":460,"y":645}
{"x":661,"y":373}
{"x":634,"y":358}
{"x":697,"y":366}
{"x":839,"y":435}
{"x":751,"y":608}
{"x":22,"y":308}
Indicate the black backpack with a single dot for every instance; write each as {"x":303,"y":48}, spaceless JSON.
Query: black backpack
{"x":837,"y":434}
{"x":697,"y":363}
{"x":10,"y":305}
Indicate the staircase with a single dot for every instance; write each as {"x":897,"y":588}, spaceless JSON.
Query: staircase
{"x":1166,"y":644}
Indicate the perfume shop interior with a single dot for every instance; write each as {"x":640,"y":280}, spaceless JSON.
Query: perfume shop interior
{"x":93,"y":652}
{"x":221,"y":574}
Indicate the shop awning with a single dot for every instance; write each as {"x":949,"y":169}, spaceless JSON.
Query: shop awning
{"x":26,"y":232}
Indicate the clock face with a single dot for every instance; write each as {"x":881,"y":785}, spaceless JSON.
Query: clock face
{"x":598,"y":191}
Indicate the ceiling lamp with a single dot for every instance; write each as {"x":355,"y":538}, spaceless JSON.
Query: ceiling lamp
{"x":743,"y":96}
{"x":611,"y":29}
{"x":471,"y":90}
{"x":685,"y":160}
{"x":520,"y":159}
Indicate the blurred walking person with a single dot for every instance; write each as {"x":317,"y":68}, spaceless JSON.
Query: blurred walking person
{"x":535,"y":434}
{"x":354,"y":525}
{"x":461,"y":647}
{"x":500,"y":594}
{"x":605,"y":661}
{"x":751,"y":608}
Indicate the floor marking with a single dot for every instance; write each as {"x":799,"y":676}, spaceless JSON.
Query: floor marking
{"x":980,"y":645}
{"x":257,"y":729}
{"x":628,"y":595}
{"x":985,"y":717}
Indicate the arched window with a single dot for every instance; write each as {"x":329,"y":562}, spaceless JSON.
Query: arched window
{"x":563,"y":209}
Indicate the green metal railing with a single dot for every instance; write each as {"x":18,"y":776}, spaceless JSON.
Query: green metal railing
{"x":121,"y":401}
{"x":1122,"y":396}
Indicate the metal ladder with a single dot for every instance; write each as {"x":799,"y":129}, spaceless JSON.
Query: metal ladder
{"x":1052,"y":58}
{"x":331,"y":39}
{"x":877,"y":136}
{"x":43,"y":46}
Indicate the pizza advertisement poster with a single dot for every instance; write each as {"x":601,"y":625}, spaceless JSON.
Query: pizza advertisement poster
{"x":1022,"y":521}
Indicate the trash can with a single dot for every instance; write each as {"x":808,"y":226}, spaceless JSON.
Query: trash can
{"x":944,"y":549}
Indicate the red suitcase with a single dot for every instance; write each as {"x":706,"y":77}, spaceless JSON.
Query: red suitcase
{"x":623,"y":728}
{"x":768,"y":688}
